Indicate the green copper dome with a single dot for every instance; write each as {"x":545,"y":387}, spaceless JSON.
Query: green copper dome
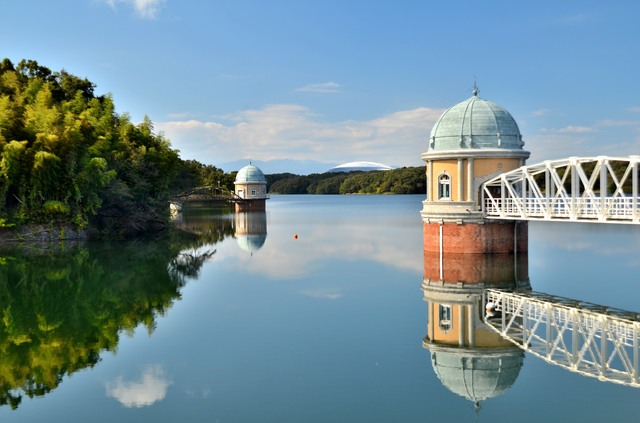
{"x":250,"y":174}
{"x":475,"y":124}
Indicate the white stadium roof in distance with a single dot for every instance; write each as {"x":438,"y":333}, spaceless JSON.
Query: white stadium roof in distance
{"x":363,"y":166}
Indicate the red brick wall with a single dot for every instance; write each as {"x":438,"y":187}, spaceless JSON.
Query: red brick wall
{"x":496,"y":270}
{"x":251,"y":205}
{"x":489,"y":238}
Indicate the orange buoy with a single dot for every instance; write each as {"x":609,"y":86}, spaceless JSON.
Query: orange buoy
{"x":295,"y":236}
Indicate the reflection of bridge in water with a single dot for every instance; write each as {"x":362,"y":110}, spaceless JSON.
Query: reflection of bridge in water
{"x":478,"y":355}
{"x":586,"y":338}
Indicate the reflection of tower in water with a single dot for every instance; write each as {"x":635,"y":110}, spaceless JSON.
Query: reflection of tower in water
{"x":251,"y":230}
{"x":468,"y":357}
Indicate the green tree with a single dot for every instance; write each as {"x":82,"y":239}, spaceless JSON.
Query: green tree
{"x":66,"y":155}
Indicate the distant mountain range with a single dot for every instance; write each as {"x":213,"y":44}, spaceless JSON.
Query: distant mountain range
{"x":269,"y":167}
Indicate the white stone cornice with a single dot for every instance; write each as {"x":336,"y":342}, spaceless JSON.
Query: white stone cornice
{"x":451,"y":211}
{"x":484,"y":153}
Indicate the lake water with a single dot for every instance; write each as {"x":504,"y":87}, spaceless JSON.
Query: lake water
{"x":239,"y":320}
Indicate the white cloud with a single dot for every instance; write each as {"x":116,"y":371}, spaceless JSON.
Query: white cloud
{"x":575,"y":129}
{"x":325,"y":87}
{"x":612,"y":137}
{"x":151,"y":387}
{"x":289,"y":131}
{"x":541,"y":112}
{"x":555,"y":145}
{"x":179,"y":115}
{"x":618,"y":122}
{"x":146,"y":9}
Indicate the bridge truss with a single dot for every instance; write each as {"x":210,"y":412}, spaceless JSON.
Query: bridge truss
{"x":582,"y":337}
{"x":592,"y":189}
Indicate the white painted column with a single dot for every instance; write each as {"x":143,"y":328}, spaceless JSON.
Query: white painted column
{"x":472,"y":325}
{"x":429,"y":180}
{"x":431,"y":321}
{"x":460,"y":180}
{"x":470,"y":191}
{"x":461,"y":328}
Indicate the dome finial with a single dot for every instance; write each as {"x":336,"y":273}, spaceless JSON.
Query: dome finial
{"x":475,"y":87}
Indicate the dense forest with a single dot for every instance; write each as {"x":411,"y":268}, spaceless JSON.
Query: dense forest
{"x":67,"y":157}
{"x":406,"y":180}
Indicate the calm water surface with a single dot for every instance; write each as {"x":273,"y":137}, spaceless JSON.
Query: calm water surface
{"x":235,"y":320}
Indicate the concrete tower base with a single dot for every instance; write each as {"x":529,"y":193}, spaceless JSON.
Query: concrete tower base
{"x":489,"y":237}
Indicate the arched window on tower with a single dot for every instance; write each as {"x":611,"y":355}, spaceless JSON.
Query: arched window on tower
{"x":444,"y":187}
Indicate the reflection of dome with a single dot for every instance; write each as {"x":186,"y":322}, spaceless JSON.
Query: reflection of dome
{"x":251,"y":243}
{"x":477,"y":374}
{"x":475,"y":124}
{"x":251,"y":230}
{"x":250,"y":174}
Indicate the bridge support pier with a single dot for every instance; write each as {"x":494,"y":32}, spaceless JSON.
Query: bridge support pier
{"x":488,"y":237}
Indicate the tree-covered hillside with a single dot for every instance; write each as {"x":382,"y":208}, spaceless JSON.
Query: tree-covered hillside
{"x":406,"y":180}
{"x":67,"y":157}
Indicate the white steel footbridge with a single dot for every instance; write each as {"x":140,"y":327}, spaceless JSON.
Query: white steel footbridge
{"x":586,"y":338}
{"x":586,"y":189}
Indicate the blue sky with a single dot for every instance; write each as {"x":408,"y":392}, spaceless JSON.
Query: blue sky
{"x":345,"y":80}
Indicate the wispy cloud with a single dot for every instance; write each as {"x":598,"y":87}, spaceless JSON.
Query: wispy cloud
{"x":575,"y":129}
{"x":146,"y":9}
{"x":325,"y":87}
{"x":618,"y":122}
{"x":541,"y":112}
{"x":179,"y":115}
{"x":289,"y":131}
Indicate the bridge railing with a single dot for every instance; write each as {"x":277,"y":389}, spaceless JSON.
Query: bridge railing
{"x":613,"y":209}
{"x":604,"y":189}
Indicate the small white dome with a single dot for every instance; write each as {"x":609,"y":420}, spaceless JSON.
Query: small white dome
{"x":250,"y":174}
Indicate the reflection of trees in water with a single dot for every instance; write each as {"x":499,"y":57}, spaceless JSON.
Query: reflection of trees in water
{"x":209,"y":225}
{"x":203,"y":226}
{"x":60,"y":308}
{"x":188,"y":262}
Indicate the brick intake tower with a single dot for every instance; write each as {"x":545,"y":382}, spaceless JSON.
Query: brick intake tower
{"x":471,"y":143}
